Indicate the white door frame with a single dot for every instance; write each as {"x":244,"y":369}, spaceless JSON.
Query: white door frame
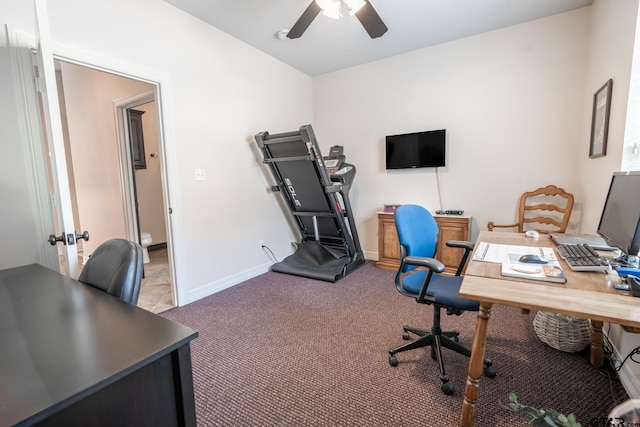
{"x":122,"y":128}
{"x":122,"y":124}
{"x":120,"y":107}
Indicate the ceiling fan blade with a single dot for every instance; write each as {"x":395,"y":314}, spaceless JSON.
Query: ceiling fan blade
{"x":371,"y":21}
{"x":304,"y":21}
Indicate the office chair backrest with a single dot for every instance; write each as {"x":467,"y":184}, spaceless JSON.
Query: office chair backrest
{"x":115,"y":267}
{"x":417,"y":232}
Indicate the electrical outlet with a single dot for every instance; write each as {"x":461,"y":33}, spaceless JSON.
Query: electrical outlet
{"x":261,"y":243}
{"x":200,"y":175}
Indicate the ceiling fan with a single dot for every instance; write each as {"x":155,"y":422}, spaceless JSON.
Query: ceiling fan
{"x":363,"y":10}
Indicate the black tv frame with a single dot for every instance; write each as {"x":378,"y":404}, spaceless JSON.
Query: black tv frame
{"x":411,"y":144}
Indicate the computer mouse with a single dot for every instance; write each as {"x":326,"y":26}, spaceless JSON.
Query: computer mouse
{"x":532,"y":233}
{"x":533,"y":259}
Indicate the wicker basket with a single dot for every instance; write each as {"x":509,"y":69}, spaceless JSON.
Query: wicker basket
{"x":564,"y":333}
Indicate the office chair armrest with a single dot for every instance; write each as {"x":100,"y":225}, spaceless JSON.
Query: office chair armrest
{"x":467,"y":246}
{"x":430,"y":263}
{"x":460,"y":244}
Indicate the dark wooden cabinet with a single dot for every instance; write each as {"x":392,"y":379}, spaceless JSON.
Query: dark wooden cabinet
{"x":137,"y":139}
{"x":452,"y":227}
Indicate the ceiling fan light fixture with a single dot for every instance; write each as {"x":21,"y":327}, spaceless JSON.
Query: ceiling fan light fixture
{"x":335,"y":8}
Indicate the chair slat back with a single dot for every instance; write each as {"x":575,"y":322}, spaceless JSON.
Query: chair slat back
{"x":546,"y":209}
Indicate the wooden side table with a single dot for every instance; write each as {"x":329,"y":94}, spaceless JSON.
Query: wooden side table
{"x":452,"y":227}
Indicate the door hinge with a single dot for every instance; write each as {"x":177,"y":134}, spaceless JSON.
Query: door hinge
{"x":52,"y":200}
{"x":38,"y":86}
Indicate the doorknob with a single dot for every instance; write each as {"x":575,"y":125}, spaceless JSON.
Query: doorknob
{"x":84,"y":236}
{"x":53,"y":239}
{"x":67,"y":239}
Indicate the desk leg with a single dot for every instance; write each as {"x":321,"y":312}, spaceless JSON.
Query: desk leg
{"x":597,"y":349}
{"x":476,"y":365}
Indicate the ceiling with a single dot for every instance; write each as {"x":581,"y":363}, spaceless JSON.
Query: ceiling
{"x":330,"y":45}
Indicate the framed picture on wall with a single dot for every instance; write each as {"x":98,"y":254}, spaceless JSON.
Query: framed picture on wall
{"x":600,"y":120}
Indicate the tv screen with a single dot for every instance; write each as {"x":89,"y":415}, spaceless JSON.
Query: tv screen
{"x":620,"y":219}
{"x":416,"y":150}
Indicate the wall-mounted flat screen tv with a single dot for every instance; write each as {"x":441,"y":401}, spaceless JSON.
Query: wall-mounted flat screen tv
{"x":416,"y":150}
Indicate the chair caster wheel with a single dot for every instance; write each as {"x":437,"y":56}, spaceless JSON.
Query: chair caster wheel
{"x":489,"y":372}
{"x":406,"y":336}
{"x":447,"y":388}
{"x":393,"y":361}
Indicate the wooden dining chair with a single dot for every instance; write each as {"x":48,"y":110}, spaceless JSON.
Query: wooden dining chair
{"x":547,"y":209}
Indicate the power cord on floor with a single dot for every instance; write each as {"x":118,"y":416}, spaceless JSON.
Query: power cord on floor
{"x":270,"y":253}
{"x":612,"y":369}
{"x":628,"y":357}
{"x":608,"y":350}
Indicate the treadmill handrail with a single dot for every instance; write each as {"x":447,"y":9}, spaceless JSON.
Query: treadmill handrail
{"x":288,"y":159}
{"x":281,"y":137}
{"x":314,"y":213}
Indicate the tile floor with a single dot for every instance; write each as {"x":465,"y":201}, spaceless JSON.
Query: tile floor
{"x":155,"y":291}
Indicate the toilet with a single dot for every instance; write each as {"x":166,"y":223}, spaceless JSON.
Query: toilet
{"x":145,"y":240}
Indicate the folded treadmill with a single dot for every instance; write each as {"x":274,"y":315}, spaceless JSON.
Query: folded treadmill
{"x":316,"y":191}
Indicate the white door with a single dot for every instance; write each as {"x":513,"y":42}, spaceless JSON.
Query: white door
{"x":61,"y":197}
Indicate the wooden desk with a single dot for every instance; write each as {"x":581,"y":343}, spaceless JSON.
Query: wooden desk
{"x":75,"y":356}
{"x":585,"y":295}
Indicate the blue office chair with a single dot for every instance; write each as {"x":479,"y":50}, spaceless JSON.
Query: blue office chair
{"x":115,"y":267}
{"x":418,"y":236}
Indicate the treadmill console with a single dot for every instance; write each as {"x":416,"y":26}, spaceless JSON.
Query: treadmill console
{"x":340,"y":172}
{"x":335,"y":159}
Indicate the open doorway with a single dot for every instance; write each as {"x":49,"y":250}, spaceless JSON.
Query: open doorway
{"x":116,"y":193}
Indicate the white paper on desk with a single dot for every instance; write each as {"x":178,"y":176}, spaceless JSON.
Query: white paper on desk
{"x":494,"y":252}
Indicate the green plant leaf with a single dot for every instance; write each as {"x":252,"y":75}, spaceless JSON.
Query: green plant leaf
{"x":535,"y":415}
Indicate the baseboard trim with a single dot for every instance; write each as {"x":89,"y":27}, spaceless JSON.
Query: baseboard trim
{"x":370,"y":255}
{"x":157,"y":247}
{"x":629,"y":382}
{"x":227,"y":282}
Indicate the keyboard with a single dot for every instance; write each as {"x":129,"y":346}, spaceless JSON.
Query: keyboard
{"x":582,"y":257}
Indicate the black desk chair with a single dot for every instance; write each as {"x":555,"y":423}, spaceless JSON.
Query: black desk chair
{"x":115,"y":267}
{"x":418,"y":236}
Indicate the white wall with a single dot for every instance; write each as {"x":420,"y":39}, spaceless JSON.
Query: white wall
{"x":216,"y":94}
{"x":511,"y":101}
{"x":611,"y":40}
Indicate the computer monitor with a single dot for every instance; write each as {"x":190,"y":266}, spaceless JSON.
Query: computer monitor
{"x":620,"y":219}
